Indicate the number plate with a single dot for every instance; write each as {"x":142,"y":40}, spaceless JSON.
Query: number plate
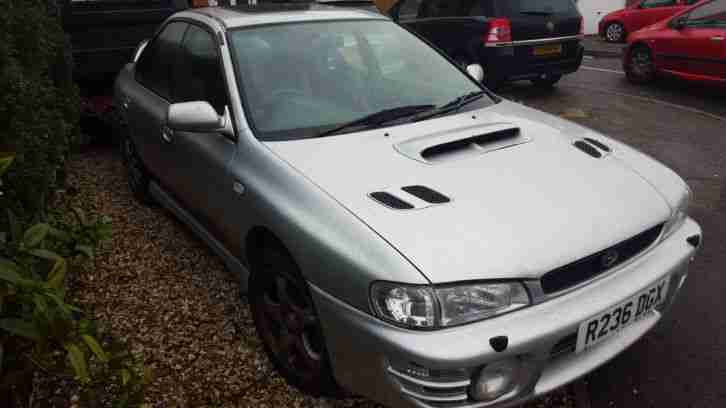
{"x":546,"y":50}
{"x":609,"y":323}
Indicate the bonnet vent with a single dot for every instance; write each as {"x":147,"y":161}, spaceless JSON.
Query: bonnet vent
{"x":600,"y":145}
{"x":391,"y":201}
{"x":440,"y":148}
{"x":587,"y":148}
{"x":426,"y":194}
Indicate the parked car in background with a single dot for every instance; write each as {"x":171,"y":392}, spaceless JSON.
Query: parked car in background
{"x":616,"y":26}
{"x":690,"y":45}
{"x":402,"y":232}
{"x":537,"y":40}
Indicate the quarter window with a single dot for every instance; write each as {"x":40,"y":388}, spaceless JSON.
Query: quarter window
{"x":198,"y":75}
{"x":154,"y":66}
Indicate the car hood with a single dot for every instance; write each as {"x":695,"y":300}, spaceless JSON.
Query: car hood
{"x":517,"y":209}
{"x":614,"y":14}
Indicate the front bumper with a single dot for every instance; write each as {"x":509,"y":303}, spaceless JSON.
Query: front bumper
{"x":367,"y":353}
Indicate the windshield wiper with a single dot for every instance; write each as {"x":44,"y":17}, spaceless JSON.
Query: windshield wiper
{"x":379,"y":118}
{"x":452,"y":106}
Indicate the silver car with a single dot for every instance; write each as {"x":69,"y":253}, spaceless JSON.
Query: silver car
{"x":402,"y":233}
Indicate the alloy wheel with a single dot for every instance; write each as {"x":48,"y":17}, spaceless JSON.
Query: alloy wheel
{"x":290,"y":327}
{"x":614,"y":32}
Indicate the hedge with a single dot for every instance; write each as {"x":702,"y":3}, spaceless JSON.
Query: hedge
{"x":39,"y":103}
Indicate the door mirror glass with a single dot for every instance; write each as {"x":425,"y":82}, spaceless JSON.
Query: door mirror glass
{"x":475,"y":71}
{"x":679,"y":23}
{"x":198,"y":116}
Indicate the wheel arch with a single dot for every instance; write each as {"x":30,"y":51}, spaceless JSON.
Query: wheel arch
{"x":257,"y":238}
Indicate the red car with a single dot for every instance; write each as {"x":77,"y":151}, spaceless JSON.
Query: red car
{"x":616,"y":26}
{"x":689,"y":45}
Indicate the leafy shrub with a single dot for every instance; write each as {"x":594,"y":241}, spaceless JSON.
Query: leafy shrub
{"x":39,"y":108}
{"x":39,"y":330}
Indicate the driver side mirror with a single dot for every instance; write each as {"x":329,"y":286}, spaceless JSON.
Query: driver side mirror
{"x":475,"y":71}
{"x":678,"y":23}
{"x":198,"y":116}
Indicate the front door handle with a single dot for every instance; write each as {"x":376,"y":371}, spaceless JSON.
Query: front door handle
{"x":719,"y":38}
{"x":126,"y":102}
{"x":166,"y":134}
{"x":238,"y":188}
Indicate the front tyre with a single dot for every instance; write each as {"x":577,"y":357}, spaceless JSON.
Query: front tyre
{"x":639,"y":66}
{"x":288,"y":324}
{"x":547,"y":81}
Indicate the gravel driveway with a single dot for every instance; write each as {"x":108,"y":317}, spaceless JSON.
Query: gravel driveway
{"x":162,"y":290}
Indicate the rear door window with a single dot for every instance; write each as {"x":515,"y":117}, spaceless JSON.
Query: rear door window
{"x":657,"y":3}
{"x":507,"y":8}
{"x":712,"y":14}
{"x":154,"y":67}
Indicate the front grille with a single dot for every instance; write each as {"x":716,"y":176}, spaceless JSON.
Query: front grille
{"x":593,"y":265}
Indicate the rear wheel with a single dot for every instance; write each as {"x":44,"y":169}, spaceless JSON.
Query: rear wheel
{"x":288,"y":324}
{"x":547,"y":80}
{"x":136,"y":173}
{"x":639,"y":66}
{"x":615,"y":33}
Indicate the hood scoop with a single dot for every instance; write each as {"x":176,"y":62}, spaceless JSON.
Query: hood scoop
{"x":592,"y":147}
{"x":441,"y":148}
{"x":409,"y":197}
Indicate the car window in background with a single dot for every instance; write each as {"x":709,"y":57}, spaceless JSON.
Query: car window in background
{"x":409,"y":9}
{"x":515,"y":7}
{"x":691,"y":2}
{"x":711,"y":14}
{"x":657,"y":3}
{"x":300,"y":79}
{"x":198,"y":75}
{"x":154,"y":67}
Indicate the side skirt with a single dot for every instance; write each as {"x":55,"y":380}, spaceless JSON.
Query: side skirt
{"x":230,"y":261}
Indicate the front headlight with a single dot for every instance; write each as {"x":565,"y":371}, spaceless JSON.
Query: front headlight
{"x":679,"y":214}
{"x":465,"y":304}
{"x":427,"y":307}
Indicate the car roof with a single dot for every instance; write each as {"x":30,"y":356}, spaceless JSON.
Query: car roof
{"x":266,"y":13}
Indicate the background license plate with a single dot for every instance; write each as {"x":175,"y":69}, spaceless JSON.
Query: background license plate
{"x":551,"y":49}
{"x":607,"y":324}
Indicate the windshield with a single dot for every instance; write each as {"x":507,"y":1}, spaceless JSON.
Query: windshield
{"x":299,"y":80}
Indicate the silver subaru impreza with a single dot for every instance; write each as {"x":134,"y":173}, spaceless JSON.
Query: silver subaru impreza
{"x":402,"y":233}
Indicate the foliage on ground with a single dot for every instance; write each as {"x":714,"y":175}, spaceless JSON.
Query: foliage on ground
{"x":40,"y":329}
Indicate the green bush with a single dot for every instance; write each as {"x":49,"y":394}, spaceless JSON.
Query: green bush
{"x":40,"y":330}
{"x":39,"y":103}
